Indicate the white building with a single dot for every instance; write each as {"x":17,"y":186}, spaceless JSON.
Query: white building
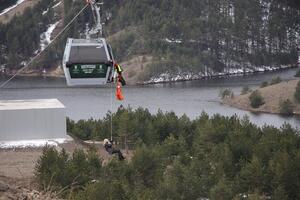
{"x":32,"y":119}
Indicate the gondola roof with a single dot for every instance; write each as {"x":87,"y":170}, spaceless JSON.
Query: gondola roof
{"x":88,"y":51}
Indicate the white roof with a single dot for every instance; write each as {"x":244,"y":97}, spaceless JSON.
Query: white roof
{"x":30,"y":104}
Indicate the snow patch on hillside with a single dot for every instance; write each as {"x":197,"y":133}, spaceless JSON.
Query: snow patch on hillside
{"x":186,"y":76}
{"x":56,"y":5}
{"x":11,"y":7}
{"x":46,"y":36}
{"x":47,"y":10}
{"x":178,"y":41}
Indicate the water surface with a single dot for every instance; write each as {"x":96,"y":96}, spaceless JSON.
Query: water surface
{"x":190,"y":98}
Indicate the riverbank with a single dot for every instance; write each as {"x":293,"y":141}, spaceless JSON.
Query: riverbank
{"x":189,"y":76}
{"x":273,"y":95}
{"x":52,"y":72}
{"x":134,"y":71}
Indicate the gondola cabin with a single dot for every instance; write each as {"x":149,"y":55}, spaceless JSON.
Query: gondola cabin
{"x":87,"y":62}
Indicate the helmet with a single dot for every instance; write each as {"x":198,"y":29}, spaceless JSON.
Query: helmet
{"x":106,"y":141}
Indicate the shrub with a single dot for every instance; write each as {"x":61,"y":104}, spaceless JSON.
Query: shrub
{"x":50,"y":167}
{"x":297,"y":73}
{"x":57,"y":169}
{"x":245,"y":90}
{"x":286,"y":107}
{"x":297,"y":92}
{"x":256,"y":100}
{"x":221,"y":189}
{"x":275,"y":80}
{"x":264,"y":84}
{"x":226,"y":93}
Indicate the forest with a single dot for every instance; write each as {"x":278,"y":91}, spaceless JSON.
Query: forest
{"x":180,"y":35}
{"x":20,"y":38}
{"x":218,"y":34}
{"x":175,"y":157}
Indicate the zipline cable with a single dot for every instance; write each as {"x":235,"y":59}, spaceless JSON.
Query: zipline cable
{"x":35,"y":57}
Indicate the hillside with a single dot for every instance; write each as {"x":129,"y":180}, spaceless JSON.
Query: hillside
{"x":187,"y":40}
{"x":17,"y":168}
{"x":18,"y":10}
{"x":200,"y":38}
{"x":272,"y":95}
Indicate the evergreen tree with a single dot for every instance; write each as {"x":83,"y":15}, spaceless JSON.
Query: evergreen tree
{"x":256,"y":100}
{"x":297,"y":92}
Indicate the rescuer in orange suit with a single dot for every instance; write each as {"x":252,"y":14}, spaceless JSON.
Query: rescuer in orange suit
{"x":120,"y":81}
{"x":118,"y":78}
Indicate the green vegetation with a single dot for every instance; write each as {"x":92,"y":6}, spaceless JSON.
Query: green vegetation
{"x":286,"y":107}
{"x":226,"y":93}
{"x":256,"y":100}
{"x":245,"y":90}
{"x":20,"y":38}
{"x":297,"y":92}
{"x":57,"y":170}
{"x":275,"y":80}
{"x":297,"y":73}
{"x":207,"y":34}
{"x":177,"y":158}
{"x":264,"y":84}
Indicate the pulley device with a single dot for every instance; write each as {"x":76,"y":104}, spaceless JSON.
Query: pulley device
{"x":89,"y":61}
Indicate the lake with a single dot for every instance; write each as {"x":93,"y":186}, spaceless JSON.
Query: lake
{"x":190,"y":98}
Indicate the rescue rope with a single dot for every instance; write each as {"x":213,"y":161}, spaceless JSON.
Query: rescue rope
{"x":111,"y":112}
{"x":35,"y":57}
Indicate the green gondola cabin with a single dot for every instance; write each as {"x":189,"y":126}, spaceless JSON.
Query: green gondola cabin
{"x":87,"y":62}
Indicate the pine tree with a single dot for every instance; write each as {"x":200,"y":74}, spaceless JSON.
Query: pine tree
{"x":297,"y":92}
